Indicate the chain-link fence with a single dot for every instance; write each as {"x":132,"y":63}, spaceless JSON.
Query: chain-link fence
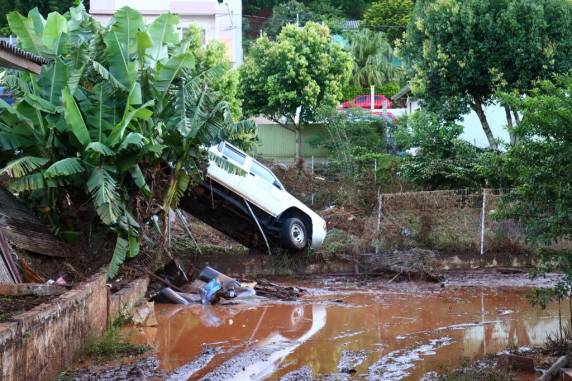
{"x":448,"y":221}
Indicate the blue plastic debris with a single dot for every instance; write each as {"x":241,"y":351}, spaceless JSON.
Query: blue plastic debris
{"x":209,"y":291}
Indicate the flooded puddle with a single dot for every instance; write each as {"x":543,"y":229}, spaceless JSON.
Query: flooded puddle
{"x":345,"y":334}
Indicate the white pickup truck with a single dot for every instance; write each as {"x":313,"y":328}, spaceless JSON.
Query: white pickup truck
{"x":241,"y":197}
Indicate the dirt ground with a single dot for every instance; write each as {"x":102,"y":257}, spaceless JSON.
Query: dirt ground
{"x":11,"y":306}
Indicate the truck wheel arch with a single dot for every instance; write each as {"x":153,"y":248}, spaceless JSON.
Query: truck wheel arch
{"x":297,"y":213}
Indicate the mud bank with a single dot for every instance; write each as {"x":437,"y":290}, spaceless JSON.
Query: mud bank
{"x":241,"y":264}
{"x":347,"y":329}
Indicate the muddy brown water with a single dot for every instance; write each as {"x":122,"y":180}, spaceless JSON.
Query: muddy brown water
{"x":340,"y":332}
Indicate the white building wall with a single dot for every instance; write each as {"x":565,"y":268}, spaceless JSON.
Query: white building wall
{"x":472,"y":129}
{"x":219,"y":21}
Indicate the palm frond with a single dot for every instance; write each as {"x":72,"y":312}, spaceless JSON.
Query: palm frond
{"x":119,"y":255}
{"x":31,"y":182}
{"x":132,"y":139}
{"x":103,"y":189}
{"x":139,"y":179}
{"x":99,"y":148}
{"x":65,"y":167}
{"x":22,"y":166}
{"x":105,"y":74}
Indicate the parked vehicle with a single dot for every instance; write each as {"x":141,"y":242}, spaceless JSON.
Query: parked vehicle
{"x":364,"y":101}
{"x":240,"y":197}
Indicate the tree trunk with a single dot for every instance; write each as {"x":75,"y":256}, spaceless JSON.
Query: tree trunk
{"x":516,"y":117}
{"x":509,"y":125}
{"x":298,"y":147}
{"x":516,"y":123}
{"x":478,"y":108}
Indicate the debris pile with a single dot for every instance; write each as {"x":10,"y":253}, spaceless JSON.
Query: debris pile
{"x":211,"y":286}
{"x":419,"y":264}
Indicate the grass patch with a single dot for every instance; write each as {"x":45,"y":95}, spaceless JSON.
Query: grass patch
{"x":559,"y":343}
{"x":113,"y":343}
{"x":475,"y":375}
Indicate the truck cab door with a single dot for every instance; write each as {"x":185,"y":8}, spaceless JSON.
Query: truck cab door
{"x":263,"y":189}
{"x":230,"y":167}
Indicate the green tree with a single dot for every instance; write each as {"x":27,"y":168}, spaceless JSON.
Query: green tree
{"x":541,"y":162}
{"x":541,"y":198}
{"x":389,"y":16}
{"x":214,"y":56}
{"x":116,"y":121}
{"x":302,"y":70}
{"x":373,"y":59}
{"x":442,"y":159}
{"x":24,"y":6}
{"x":463,"y":51}
{"x":294,"y":11}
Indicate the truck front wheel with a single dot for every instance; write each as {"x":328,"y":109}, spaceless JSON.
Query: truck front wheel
{"x":294,"y":234}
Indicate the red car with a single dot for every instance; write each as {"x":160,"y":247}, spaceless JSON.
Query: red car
{"x":364,"y":101}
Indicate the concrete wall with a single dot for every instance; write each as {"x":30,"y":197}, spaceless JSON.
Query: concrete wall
{"x":123,"y":301}
{"x":42,"y":342}
{"x":266,"y":265}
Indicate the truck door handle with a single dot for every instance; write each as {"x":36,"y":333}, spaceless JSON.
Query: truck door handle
{"x":224,"y":157}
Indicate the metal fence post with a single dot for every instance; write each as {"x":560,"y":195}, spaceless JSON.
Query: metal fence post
{"x":312,"y":164}
{"x":483,"y":212}
{"x":378,"y":225}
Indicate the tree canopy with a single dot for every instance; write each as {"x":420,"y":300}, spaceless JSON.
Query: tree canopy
{"x":389,"y":16}
{"x":24,"y":6}
{"x":464,"y":51}
{"x":373,"y":59}
{"x":301,"y":68}
{"x":541,"y":164}
{"x":294,"y":11}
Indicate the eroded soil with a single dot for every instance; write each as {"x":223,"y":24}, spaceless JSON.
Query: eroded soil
{"x":11,"y":306}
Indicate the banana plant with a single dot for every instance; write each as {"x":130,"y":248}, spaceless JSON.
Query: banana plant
{"x":115,"y":103}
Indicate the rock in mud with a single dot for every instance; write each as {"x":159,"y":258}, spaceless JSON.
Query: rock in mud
{"x":350,"y":360}
{"x":301,"y":374}
{"x":186,"y":371}
{"x":396,"y":365}
{"x":144,"y":369}
{"x":236,"y":366}
{"x":516,"y":362}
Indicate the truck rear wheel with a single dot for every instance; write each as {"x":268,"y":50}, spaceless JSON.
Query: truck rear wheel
{"x":294,"y":234}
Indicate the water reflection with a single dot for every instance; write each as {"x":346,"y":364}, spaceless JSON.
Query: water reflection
{"x":267,"y":341}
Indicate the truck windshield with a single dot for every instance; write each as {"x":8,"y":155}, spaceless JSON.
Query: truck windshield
{"x":233,"y":154}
